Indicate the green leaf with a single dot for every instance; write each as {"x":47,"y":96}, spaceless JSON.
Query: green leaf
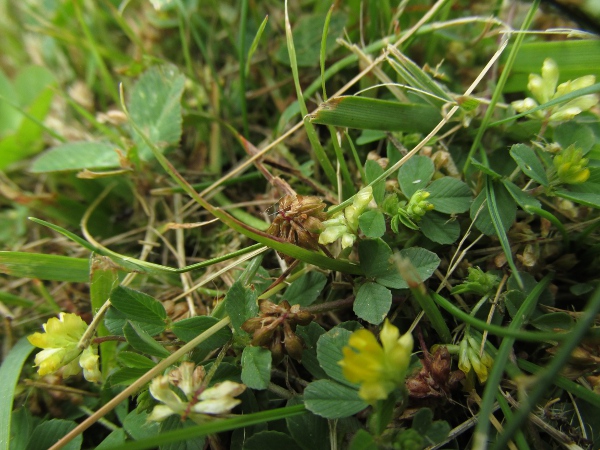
{"x":422,"y":420}
{"x":135,"y":360}
{"x":138,"y":307}
{"x":507,"y":211}
{"x":579,"y":195}
{"x":424,"y":262}
{"x":329,"y":353}
{"x":372,"y":171}
{"x":311,"y":334}
{"x":125,"y":376}
{"x":439,"y":228}
{"x":115,"y":320}
{"x":485,"y":169}
{"x":529,"y":163}
{"x":449,"y":195}
{"x":306,"y":289}
{"x":77,"y":156}
{"x":45,"y":267}
{"x":415,"y":174}
{"x":373,"y":114}
{"x":137,"y":425}
{"x":9,"y":374}
{"x":553,"y":322}
{"x":270,"y":440}
{"x":374,"y":255}
{"x":310,"y":431}
{"x":332,"y":400}
{"x":523,"y":199}
{"x":46,"y":434}
{"x":372,"y":223}
{"x":142,"y":341}
{"x":307,"y":41}
{"x":20,"y":428}
{"x":241,"y":305}
{"x":188,"y":329}
{"x":373,"y":302}
{"x":114,"y":439}
{"x":155,"y":107}
{"x":362,"y":440}
{"x":573,"y":133}
{"x":256,"y":367}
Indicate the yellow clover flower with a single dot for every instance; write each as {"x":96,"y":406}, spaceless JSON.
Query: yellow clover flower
{"x":378,"y":368}
{"x":60,"y":344}
{"x":199,"y":403}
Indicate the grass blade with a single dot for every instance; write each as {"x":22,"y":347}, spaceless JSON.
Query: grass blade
{"x":500,"y":231}
{"x":44,"y":267}
{"x":310,"y":129}
{"x":480,"y":436}
{"x":373,"y":114}
{"x":547,"y":377}
{"x":9,"y":374}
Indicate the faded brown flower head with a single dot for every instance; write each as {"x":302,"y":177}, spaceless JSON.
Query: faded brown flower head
{"x":298,"y":221}
{"x":275,"y":329}
{"x":435,"y":379}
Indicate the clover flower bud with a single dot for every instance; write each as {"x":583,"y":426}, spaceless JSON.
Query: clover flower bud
{"x":571,"y":166}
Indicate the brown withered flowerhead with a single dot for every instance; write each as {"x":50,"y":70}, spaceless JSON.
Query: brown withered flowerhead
{"x":435,"y":379}
{"x":298,"y":221}
{"x":275,"y":329}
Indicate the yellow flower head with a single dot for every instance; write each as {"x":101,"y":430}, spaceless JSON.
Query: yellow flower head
{"x":378,"y":368}
{"x":60,"y":344}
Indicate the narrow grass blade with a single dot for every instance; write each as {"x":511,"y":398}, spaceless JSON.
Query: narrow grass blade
{"x":214,"y":427}
{"x":373,"y":114}
{"x":546,"y":377}
{"x":9,"y":374}
{"x":520,"y":335}
{"x":44,"y":267}
{"x":133,"y":264}
{"x":310,"y":129}
{"x":323,"y":52}
{"x":254,"y":44}
{"x":242,"y":62}
{"x":500,"y":231}
{"x":480,"y":436}
{"x":562,"y":382}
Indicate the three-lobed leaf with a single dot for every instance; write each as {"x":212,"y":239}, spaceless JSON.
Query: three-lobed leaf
{"x":449,"y":195}
{"x":256,"y":367}
{"x":415,"y":174}
{"x":373,"y":302}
